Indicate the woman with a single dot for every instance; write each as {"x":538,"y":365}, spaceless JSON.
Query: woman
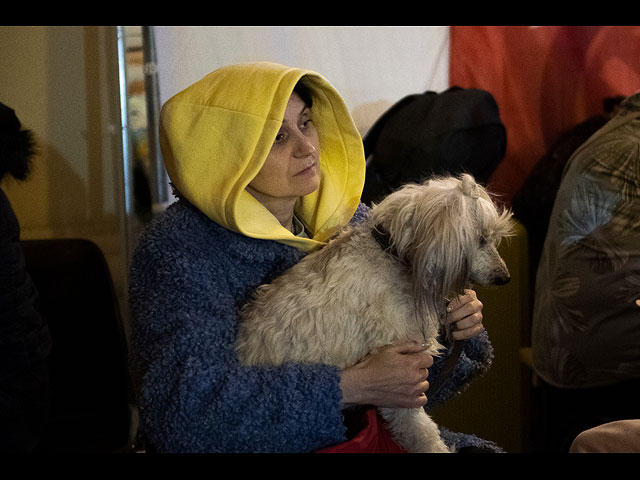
{"x":264,"y":176}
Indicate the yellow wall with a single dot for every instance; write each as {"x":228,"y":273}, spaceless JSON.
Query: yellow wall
{"x":63,"y":84}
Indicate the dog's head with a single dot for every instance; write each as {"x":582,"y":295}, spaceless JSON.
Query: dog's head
{"x":448,"y":230}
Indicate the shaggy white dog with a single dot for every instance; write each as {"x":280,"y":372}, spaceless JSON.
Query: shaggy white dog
{"x":385,"y":280}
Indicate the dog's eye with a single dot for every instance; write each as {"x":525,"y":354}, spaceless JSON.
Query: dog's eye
{"x":483,"y":240}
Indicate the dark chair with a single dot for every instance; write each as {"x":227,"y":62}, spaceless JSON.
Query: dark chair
{"x":90,"y":383}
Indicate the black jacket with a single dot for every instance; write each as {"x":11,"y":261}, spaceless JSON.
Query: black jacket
{"x":24,"y":335}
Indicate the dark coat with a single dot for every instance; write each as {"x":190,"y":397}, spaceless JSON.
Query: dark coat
{"x":25,"y":343}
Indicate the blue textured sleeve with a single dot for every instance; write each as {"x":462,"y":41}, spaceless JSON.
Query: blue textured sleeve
{"x":362,"y":212}
{"x":465,"y":440}
{"x":474,"y":360}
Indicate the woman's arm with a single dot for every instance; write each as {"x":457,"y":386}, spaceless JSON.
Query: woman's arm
{"x":194,"y":396}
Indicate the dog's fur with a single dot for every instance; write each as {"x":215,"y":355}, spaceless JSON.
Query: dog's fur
{"x":348,"y":299}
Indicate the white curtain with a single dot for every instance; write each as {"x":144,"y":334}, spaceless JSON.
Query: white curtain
{"x":371,"y":67}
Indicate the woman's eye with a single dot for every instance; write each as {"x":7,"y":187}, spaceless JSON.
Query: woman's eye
{"x":306,"y":118}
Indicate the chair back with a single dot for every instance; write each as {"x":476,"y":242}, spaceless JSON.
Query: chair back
{"x":88,"y":362}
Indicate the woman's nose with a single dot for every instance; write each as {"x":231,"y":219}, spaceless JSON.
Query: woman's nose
{"x":305,"y":145}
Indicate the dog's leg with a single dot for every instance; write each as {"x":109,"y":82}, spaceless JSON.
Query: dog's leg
{"x":414,"y":430}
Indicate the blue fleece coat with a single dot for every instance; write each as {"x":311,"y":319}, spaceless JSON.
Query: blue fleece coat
{"x":189,"y":279}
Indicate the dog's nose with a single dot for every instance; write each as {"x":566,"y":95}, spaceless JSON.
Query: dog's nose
{"x":502,"y":279}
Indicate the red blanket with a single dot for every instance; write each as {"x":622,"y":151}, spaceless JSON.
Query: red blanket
{"x":373,"y":438}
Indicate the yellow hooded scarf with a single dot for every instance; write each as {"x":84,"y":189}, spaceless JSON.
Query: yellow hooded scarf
{"x":216,"y":134}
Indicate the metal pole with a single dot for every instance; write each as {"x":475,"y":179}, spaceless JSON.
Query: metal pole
{"x":159,"y":179}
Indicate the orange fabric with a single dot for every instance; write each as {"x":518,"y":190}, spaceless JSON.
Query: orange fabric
{"x":545,"y":81}
{"x":373,"y":438}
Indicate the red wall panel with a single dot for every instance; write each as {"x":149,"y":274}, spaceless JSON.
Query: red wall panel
{"x":545,"y":80}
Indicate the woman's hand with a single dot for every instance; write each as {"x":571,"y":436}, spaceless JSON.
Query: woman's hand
{"x":395,"y":376}
{"x":464,"y":313}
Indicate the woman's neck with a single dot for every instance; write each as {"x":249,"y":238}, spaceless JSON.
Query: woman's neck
{"x":281,"y":208}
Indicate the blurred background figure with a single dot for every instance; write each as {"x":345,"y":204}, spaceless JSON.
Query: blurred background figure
{"x":25,"y":342}
{"x":533,"y":203}
{"x":586,"y":327}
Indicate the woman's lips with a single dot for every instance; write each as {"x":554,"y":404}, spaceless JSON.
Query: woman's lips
{"x":308,"y":169}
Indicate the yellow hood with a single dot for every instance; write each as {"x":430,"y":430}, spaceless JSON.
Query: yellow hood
{"x":216,"y":134}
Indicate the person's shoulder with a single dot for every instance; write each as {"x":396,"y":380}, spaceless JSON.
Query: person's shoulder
{"x":181,"y":227}
{"x":9,"y":227}
{"x":181,"y":237}
{"x":184,"y":234}
{"x":361,"y":214}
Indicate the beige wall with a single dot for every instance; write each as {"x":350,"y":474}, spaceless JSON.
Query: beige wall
{"x":63,"y":84}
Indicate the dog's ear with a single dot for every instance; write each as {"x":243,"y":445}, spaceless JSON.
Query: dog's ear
{"x":443,"y":240}
{"x":443,"y":243}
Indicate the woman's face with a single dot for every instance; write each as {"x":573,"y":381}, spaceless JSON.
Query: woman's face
{"x":291,"y":169}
